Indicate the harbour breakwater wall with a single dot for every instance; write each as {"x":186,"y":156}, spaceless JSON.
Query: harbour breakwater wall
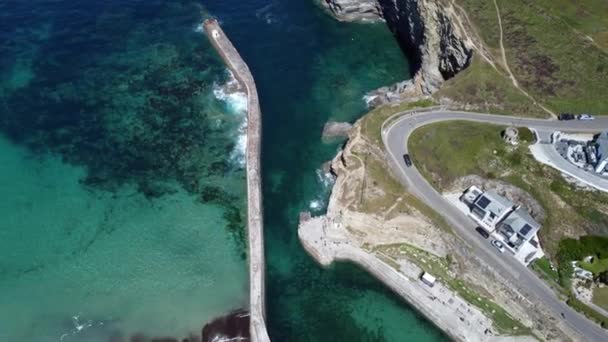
{"x":431,"y":33}
{"x":255,"y":228}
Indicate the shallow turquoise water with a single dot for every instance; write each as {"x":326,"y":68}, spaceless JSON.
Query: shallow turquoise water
{"x":123,"y":199}
{"x":121,"y":172}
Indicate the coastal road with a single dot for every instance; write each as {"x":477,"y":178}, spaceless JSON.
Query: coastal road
{"x":395,"y":134}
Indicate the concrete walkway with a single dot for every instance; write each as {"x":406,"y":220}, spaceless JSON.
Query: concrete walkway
{"x":255,"y":228}
{"x":326,"y":242}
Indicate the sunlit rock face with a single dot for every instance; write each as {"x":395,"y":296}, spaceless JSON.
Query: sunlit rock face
{"x":433,"y":39}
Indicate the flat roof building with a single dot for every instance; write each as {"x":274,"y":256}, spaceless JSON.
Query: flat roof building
{"x":489,"y":208}
{"x":518,"y":228}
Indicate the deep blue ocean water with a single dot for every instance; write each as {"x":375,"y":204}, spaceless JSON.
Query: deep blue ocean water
{"x":121,"y":169}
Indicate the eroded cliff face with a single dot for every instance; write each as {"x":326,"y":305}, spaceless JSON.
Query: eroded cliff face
{"x":354,"y":10}
{"x":429,"y":30}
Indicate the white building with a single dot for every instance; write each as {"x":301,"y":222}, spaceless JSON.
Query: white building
{"x":510,"y":224}
{"x":518,"y":228}
{"x":487,"y":208}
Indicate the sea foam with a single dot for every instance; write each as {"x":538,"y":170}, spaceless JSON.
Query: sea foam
{"x":236,"y":101}
{"x":326,"y":180}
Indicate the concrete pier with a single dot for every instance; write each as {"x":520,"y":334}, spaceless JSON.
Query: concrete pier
{"x":255,"y":229}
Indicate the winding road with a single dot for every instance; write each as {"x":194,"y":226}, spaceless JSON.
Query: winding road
{"x":395,"y":134}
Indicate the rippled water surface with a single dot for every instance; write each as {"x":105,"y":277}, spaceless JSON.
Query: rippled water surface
{"x":121,"y":168}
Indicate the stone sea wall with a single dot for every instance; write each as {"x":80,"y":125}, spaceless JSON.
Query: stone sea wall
{"x":429,"y":31}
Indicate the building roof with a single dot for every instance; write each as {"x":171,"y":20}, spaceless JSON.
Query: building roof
{"x":522,"y":223}
{"x":492,"y":202}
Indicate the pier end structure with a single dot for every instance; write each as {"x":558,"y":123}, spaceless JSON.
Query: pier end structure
{"x":255,"y":228}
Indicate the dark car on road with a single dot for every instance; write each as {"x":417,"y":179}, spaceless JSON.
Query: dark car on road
{"x":407,"y":160}
{"x":566,"y":116}
{"x":482,"y":232}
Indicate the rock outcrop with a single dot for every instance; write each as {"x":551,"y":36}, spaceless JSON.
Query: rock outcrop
{"x":334,"y":129}
{"x":429,"y":31}
{"x":354,"y":10}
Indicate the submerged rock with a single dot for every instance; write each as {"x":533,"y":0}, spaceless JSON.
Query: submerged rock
{"x":334,"y":129}
{"x":232,"y":327}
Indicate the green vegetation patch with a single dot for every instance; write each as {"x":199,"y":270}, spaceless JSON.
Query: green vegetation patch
{"x":596,"y":267}
{"x":588,"y":311}
{"x":572,"y":249}
{"x":464,"y":147}
{"x":600,"y":297}
{"x":488,"y":90}
{"x":543,"y":267}
{"x":557,"y":49}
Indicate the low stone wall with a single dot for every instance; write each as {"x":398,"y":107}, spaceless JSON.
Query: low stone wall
{"x":255,"y":227}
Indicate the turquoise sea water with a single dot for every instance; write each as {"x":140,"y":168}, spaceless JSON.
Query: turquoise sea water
{"x":123,"y":189}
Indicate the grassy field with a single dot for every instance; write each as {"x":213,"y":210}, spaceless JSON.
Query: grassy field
{"x":543,"y":267}
{"x":487,"y":90}
{"x":600,"y":297}
{"x":557,"y":50}
{"x":440,"y":268}
{"x":473,"y":148}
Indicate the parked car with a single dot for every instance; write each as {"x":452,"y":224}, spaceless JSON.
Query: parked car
{"x":498,"y":245}
{"x":586,"y":117}
{"x":407,"y":160}
{"x":566,"y":116}
{"x":482,"y":232}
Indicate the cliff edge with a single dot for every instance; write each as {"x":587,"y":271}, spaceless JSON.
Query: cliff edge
{"x":430,"y":32}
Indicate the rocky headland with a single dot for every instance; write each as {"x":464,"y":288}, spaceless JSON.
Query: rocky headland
{"x":431,"y":34}
{"x":373,"y":221}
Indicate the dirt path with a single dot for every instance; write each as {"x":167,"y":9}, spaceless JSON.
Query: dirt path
{"x":508,"y":69}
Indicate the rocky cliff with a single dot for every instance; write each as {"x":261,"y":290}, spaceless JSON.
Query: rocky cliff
{"x":354,"y":10}
{"x":429,"y":31}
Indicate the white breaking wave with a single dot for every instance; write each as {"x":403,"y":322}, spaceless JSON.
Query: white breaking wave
{"x":369,"y":98}
{"x":316,"y":204}
{"x":199,"y":28}
{"x":236,"y":102}
{"x":326,"y":180}
{"x":238,"y":154}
